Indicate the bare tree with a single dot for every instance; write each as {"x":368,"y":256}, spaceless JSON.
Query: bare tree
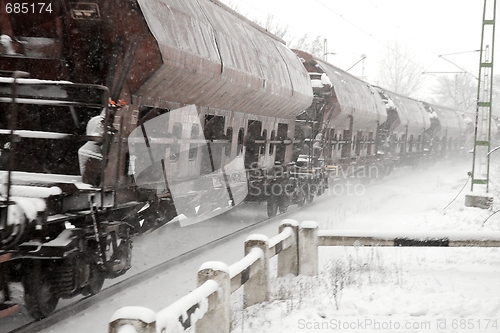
{"x":458,"y":91}
{"x":274,"y":27}
{"x":233,"y":5}
{"x":304,"y":43}
{"x":313,"y":46}
{"x":271,"y":24}
{"x":399,"y":70}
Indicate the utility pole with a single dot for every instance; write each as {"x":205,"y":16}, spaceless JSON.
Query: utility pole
{"x":325,"y":50}
{"x":482,"y":133}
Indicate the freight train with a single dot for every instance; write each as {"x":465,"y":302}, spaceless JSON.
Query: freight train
{"x":119,"y":116}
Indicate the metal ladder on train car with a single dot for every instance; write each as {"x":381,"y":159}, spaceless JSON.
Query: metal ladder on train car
{"x":482,"y":134}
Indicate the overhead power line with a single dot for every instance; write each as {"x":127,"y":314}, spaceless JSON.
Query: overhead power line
{"x":368,"y":34}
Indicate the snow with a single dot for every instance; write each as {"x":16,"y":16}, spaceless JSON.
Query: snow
{"x":325,"y":80}
{"x":24,"y":208}
{"x":37,"y":178}
{"x":356,"y":286}
{"x":290,"y":222}
{"x":127,"y":329}
{"x":417,"y":235}
{"x":309,"y":225}
{"x":287,"y":232}
{"x":168,"y":319}
{"x":135,"y":313}
{"x":31,"y":191}
{"x":257,"y":237}
{"x":37,"y":134}
{"x":247,"y":261}
{"x":316,"y":84}
{"x":215,"y":265}
{"x":393,"y":289}
{"x":31,"y":81}
{"x":37,"y":101}
{"x":29,"y":206}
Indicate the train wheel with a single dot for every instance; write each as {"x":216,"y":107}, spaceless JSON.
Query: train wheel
{"x":301,"y":199}
{"x":388,"y":170}
{"x":309,"y":195}
{"x":321,"y":187}
{"x":283,"y":203}
{"x":39,"y":295}
{"x":96,"y":280}
{"x":121,"y":259}
{"x":272,"y":207}
{"x":310,"y":198}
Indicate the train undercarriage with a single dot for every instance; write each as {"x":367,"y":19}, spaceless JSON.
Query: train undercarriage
{"x":59,"y":235}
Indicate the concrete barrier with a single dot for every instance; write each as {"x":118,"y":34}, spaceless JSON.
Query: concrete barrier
{"x":285,"y":246}
{"x":133,"y":319}
{"x":208,"y":307}
{"x":308,"y":248}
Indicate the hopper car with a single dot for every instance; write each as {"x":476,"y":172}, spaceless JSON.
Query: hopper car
{"x":119,"y":116}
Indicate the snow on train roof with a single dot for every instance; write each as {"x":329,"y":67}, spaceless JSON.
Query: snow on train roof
{"x":212,"y":57}
{"x":355,"y":97}
{"x":452,"y":124}
{"x":411,"y":113}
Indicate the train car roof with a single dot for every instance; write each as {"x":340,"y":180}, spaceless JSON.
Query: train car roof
{"x":410,"y":112}
{"x":452,"y":124}
{"x":214,"y":57}
{"x":356,"y":98}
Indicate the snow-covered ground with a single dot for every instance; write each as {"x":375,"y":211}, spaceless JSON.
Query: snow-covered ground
{"x":376,"y":289}
{"x":361,"y":289}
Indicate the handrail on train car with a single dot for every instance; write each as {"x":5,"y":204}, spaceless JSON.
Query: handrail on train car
{"x":16,"y":75}
{"x":20,"y":90}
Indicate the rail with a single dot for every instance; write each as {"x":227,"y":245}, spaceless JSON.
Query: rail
{"x":209,"y":306}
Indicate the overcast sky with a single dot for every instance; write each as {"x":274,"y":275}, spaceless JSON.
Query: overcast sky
{"x":356,"y":27}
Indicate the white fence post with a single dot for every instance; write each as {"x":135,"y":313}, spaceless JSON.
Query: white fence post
{"x":133,"y":319}
{"x":308,"y":248}
{"x":288,"y":258}
{"x":219,"y":319}
{"x":257,"y":288}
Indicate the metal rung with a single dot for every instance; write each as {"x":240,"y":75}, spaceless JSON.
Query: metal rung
{"x":486,"y":64}
{"x":484,"y":104}
{"x":480,"y":181}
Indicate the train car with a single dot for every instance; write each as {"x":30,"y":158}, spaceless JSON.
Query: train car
{"x":134,"y":113}
{"x":345,"y":119}
{"x":355,"y":125}
{"x":407,"y":127}
{"x":451,"y":133}
{"x":119,"y":116}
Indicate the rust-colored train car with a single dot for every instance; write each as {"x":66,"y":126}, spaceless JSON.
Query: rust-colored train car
{"x":198,"y":96}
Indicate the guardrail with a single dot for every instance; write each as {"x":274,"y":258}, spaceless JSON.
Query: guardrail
{"x":208,"y":307}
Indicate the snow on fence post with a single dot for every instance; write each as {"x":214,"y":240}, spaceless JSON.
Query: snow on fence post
{"x":132,"y":319}
{"x":257,"y":287}
{"x":218,"y":319}
{"x":288,"y":258}
{"x":308,"y":248}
